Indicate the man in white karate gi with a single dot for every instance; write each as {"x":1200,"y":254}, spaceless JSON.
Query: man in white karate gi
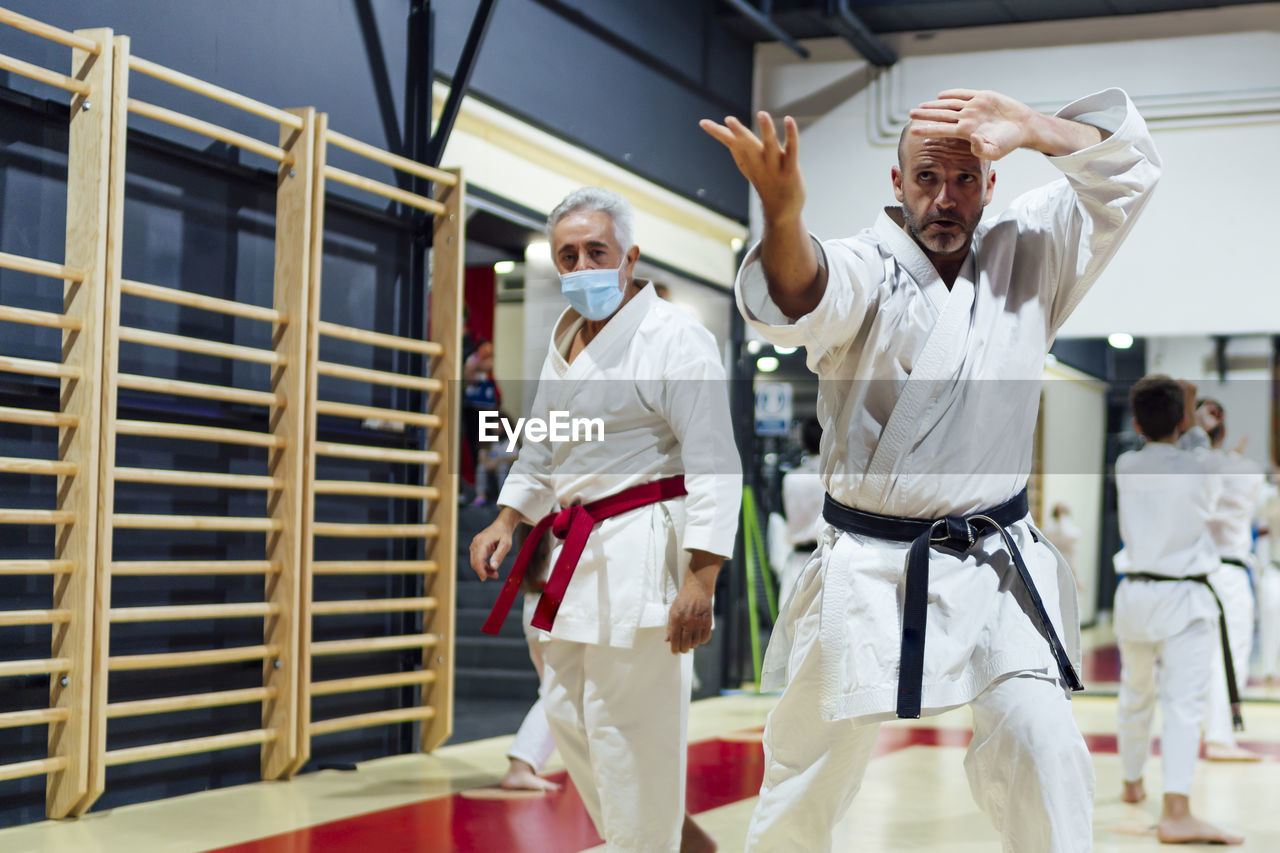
{"x":1231,"y":527}
{"x":1165,"y":609}
{"x":928,"y":333}
{"x":647,"y":515}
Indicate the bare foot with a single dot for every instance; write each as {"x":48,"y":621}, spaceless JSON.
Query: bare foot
{"x":1228,"y":752}
{"x":1188,"y":829}
{"x":520,"y":777}
{"x":1134,"y":792}
{"x":694,"y":839}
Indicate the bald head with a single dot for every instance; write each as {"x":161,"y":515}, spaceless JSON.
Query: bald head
{"x":908,"y":144}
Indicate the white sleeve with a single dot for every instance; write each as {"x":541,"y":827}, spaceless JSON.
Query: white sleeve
{"x":855,"y":272}
{"x":695,"y":402}
{"x":528,"y":488}
{"x":1085,"y":218}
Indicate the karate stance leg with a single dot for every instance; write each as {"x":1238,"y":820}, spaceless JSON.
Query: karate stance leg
{"x":813,"y":769}
{"x":1184,"y":691}
{"x":1028,"y":767}
{"x":1134,"y":709}
{"x":619,"y":717}
{"x":533,"y":743}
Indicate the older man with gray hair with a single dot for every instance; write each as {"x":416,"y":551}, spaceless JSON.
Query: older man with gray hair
{"x":643,"y":520}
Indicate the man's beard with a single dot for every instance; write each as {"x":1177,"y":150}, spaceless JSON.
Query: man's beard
{"x":938,"y":244}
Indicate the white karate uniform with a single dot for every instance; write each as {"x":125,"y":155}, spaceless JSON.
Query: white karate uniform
{"x":928,"y":400}
{"x":615,"y":697}
{"x":1267,"y":555}
{"x":802,"y":494}
{"x":533,"y":742}
{"x":1231,"y":526}
{"x":1165,"y":497}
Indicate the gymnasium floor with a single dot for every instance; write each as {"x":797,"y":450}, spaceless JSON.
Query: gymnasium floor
{"x":915,"y":796}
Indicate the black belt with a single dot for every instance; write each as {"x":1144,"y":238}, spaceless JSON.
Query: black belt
{"x":955,"y":532}
{"x":1232,"y":561}
{"x":804,"y":547}
{"x":1233,"y":693}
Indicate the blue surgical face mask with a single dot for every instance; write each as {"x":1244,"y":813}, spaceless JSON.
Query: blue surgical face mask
{"x":595,"y":294}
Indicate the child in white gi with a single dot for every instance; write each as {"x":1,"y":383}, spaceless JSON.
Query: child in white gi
{"x":1165,"y":610}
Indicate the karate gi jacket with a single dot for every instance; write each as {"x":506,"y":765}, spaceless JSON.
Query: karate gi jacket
{"x":928,"y":400}
{"x":1166,"y":497}
{"x":654,"y":377}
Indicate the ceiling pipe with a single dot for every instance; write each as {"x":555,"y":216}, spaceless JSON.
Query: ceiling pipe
{"x":767,"y":25}
{"x":846,"y":24}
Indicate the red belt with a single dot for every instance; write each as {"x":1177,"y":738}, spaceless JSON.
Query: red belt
{"x":573,"y":524}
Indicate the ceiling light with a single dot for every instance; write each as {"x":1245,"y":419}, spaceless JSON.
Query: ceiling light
{"x":753,"y":347}
{"x":783,"y":350}
{"x":504,"y":267}
{"x":736,"y":244}
{"x":766,"y":364}
{"x":1120,"y":340}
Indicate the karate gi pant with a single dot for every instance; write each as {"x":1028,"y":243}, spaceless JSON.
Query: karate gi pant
{"x":1232,"y":585}
{"x":1269,"y":618}
{"x":620,"y":720}
{"x":1183,"y":690}
{"x":533,"y":743}
{"x":1028,"y":767}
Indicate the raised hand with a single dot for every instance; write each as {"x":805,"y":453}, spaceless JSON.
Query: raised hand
{"x":993,"y":124}
{"x":771,"y":167}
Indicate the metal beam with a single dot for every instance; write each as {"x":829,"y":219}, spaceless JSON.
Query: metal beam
{"x":461,"y":80}
{"x":767,"y":25}
{"x":846,"y":24}
{"x":614,"y":40}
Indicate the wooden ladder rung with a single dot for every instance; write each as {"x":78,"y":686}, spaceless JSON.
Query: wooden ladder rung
{"x":50,"y":467}
{"x":205,"y":303}
{"x":204,"y":657}
{"x":218,"y":699}
{"x":36,"y":516}
{"x":156,"y":429}
{"x":48,"y":666}
{"x":382,"y":490}
{"x":355,"y":531}
{"x":374,"y":567}
{"x":37,"y":567}
{"x":37,"y":367}
{"x":39,"y":717}
{"x":196,"y":567}
{"x":207,"y":479}
{"x":378,"y":377}
{"x":9,"y":618}
{"x":184,"y":612}
{"x":23,"y":769}
{"x":213,"y":743}
{"x":376,"y":718}
{"x":351,"y":410}
{"x":372,"y":605}
{"x":377,"y":454}
{"x":49,"y":319}
{"x":371,"y":682}
{"x":379,"y":339}
{"x":201,"y":390}
{"x":373,"y":644}
{"x":195,"y":522}
{"x":36,"y":417}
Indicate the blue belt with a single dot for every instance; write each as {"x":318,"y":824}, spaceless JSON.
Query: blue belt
{"x":956,"y":533}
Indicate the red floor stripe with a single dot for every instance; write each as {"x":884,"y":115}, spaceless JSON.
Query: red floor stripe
{"x":720,"y":772}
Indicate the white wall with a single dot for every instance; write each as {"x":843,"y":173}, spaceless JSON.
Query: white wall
{"x":1074,"y":419}
{"x":1246,"y":393}
{"x":1208,"y":83}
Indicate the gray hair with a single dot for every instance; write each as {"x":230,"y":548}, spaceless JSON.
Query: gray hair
{"x":607,"y":201}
